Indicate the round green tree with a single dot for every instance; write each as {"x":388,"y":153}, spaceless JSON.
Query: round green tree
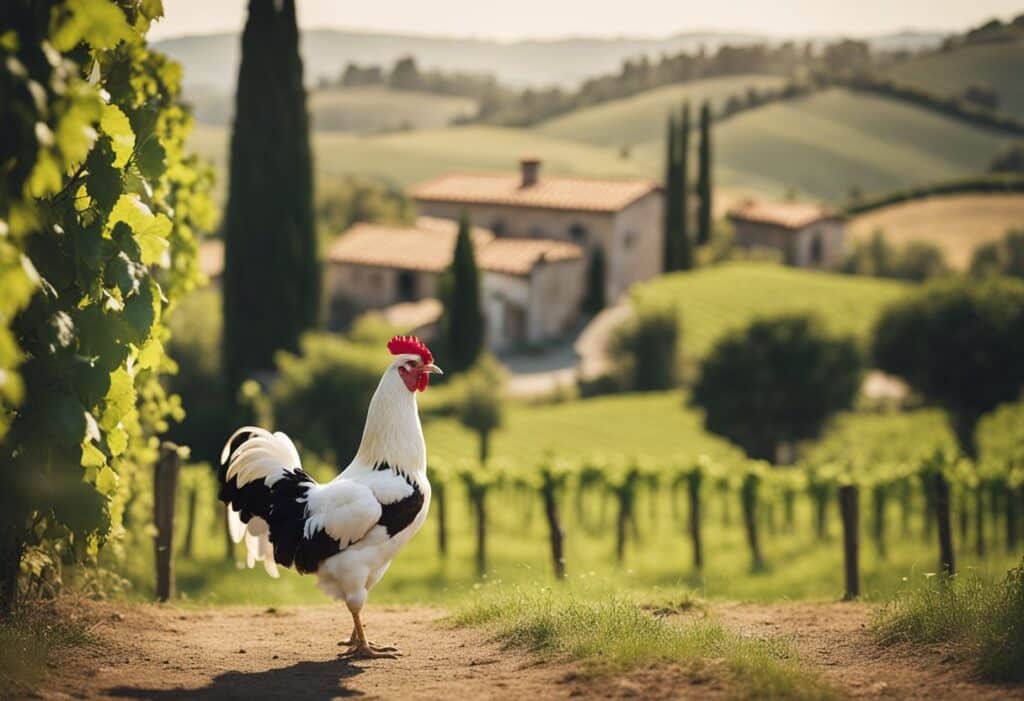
{"x":958,"y":344}
{"x":776,"y":382}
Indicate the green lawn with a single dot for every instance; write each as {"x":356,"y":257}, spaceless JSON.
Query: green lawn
{"x":714,"y":300}
{"x":641,"y":118}
{"x":998,"y":66}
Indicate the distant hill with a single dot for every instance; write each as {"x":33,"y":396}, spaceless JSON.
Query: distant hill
{"x":365,"y":110}
{"x":999,"y":66}
{"x":211,"y":61}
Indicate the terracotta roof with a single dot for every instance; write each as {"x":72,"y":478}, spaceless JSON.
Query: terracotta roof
{"x":211,"y":258}
{"x":429,"y":244}
{"x":788,"y":215}
{"x":549,"y":192}
{"x":516,"y":256}
{"x":426,"y":246}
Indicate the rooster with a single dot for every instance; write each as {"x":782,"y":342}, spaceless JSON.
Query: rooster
{"x":348,"y":530}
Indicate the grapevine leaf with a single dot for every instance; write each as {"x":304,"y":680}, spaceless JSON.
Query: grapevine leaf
{"x":46,"y":178}
{"x":90,"y":380}
{"x":100,"y":23}
{"x":92,"y":456}
{"x":151,"y":355}
{"x":140,"y":313}
{"x":117,"y":440}
{"x":65,"y":419}
{"x":125,"y":273}
{"x":115,"y":125}
{"x":152,"y":159}
{"x":106,"y":481}
{"x":104,"y":184}
{"x":120,"y":399}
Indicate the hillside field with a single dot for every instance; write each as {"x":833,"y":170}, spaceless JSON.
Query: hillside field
{"x":998,"y":66}
{"x":714,"y":300}
{"x":956,"y":223}
{"x":641,"y":118}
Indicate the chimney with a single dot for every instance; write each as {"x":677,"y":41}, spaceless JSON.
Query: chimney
{"x":530,"y":169}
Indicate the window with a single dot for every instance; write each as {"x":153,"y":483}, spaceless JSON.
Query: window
{"x":537,"y":232}
{"x":628,"y":239}
{"x":498,"y":227}
{"x":407,"y":287}
{"x":578,"y":233}
{"x":817,"y":253}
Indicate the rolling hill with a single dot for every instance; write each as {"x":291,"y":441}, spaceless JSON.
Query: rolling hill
{"x":365,"y":110}
{"x":404,"y":158}
{"x":957,"y":223}
{"x":714,"y":300}
{"x":641,"y":118}
{"x":998,"y":66}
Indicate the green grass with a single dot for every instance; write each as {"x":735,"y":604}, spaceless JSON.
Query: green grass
{"x":712,"y":301}
{"x":29,"y":641}
{"x":828,"y":143}
{"x":998,"y":66}
{"x":405,"y":158}
{"x":380,"y":109}
{"x":981,"y":618}
{"x":609,"y":633}
{"x":641,"y":118}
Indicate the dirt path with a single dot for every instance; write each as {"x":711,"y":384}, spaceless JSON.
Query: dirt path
{"x":151,"y":652}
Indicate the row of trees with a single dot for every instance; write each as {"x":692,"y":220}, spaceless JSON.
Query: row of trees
{"x":679,"y":242}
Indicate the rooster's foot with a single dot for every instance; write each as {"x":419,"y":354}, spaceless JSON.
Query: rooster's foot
{"x":368,"y":651}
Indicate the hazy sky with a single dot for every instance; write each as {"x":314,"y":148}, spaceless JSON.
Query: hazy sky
{"x":519,"y":19}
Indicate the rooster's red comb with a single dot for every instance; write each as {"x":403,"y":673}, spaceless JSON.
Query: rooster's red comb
{"x":410,"y":344}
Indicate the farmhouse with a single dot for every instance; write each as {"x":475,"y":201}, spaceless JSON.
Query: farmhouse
{"x":808,"y":235}
{"x":531,"y":289}
{"x":622,"y":217}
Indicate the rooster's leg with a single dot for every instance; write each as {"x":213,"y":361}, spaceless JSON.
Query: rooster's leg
{"x":361,"y":649}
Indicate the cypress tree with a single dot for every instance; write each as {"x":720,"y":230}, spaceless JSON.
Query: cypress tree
{"x":463,"y":320}
{"x":684,"y":246}
{"x":672,"y":209}
{"x":271,"y":271}
{"x":704,"y":177}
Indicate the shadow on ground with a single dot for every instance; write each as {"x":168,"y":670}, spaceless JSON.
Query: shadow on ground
{"x":312,"y":681}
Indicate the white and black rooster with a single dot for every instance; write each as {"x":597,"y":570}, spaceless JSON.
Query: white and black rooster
{"x":348,"y":530}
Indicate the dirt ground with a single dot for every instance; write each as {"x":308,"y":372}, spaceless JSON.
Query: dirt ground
{"x":162,"y":652}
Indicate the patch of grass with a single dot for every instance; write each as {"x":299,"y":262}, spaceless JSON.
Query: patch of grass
{"x":982,"y":619}
{"x":28,"y":642}
{"x":609,"y":633}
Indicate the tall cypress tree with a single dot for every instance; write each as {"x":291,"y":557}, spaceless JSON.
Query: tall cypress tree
{"x":672,"y":209}
{"x":463,"y":321}
{"x":271,"y":271}
{"x":704,"y":177}
{"x":685,"y":244}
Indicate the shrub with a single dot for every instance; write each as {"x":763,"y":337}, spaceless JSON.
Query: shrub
{"x":196,"y":325}
{"x":647,"y":347}
{"x":917,"y":261}
{"x":322,"y":394}
{"x":958,"y":344}
{"x":478,"y":404}
{"x":776,"y":382}
{"x":1003,"y":257}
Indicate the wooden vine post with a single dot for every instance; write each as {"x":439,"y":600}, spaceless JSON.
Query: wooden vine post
{"x":748,"y":499}
{"x":550,"y":484}
{"x":849,"y":509}
{"x":937,"y":488}
{"x":693,"y":482}
{"x":165,"y":484}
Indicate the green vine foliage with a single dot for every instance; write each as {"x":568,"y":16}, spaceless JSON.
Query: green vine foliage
{"x":99,"y":209}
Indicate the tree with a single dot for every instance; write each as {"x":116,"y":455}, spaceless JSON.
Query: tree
{"x":405,"y":75}
{"x":479,"y":405}
{"x":1009,"y":161}
{"x":684,"y":245}
{"x":672,"y":207}
{"x":958,"y":344}
{"x":776,"y":382}
{"x":271,"y":273}
{"x":704,"y":187}
{"x":463,"y":321}
{"x":595,"y":301}
{"x":647,"y":346}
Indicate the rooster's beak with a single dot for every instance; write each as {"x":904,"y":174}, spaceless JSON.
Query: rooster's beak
{"x":431,"y":368}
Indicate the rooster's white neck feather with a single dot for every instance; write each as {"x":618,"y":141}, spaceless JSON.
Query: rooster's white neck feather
{"x":393,"y":433}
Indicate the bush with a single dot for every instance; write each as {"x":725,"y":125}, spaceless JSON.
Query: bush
{"x":1003,"y":257}
{"x":196,"y":325}
{"x":647,"y":347}
{"x":958,"y":344}
{"x":917,"y":261}
{"x":776,"y":382}
{"x":321,"y":396}
{"x":984,"y":621}
{"x":479,"y":401}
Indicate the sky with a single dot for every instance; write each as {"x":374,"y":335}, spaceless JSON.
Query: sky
{"x":546,"y":19}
